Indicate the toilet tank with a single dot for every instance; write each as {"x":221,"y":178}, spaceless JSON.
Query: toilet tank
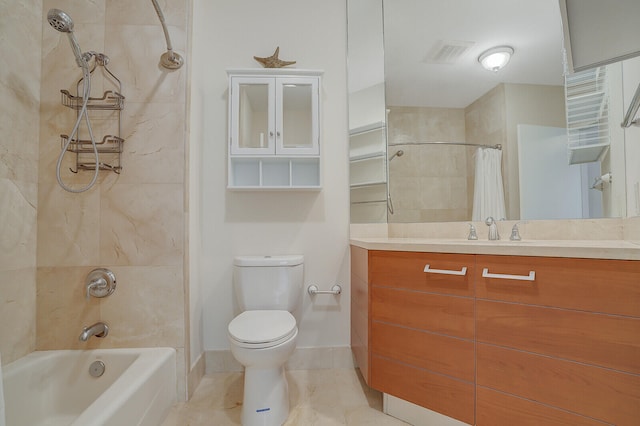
{"x":268,"y":282}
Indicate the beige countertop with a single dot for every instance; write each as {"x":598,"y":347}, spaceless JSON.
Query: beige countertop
{"x":593,"y":249}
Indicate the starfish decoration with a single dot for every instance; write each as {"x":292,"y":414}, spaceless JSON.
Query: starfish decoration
{"x":273,"y":61}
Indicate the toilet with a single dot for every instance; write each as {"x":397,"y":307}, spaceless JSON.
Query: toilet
{"x":263,"y":336}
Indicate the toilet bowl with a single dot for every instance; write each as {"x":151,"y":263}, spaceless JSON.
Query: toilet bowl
{"x":263,"y":343}
{"x":264,"y":335}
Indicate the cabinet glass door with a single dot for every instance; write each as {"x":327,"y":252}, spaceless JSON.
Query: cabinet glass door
{"x":252,"y":121}
{"x":297,"y":127}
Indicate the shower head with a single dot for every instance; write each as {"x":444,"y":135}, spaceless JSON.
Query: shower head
{"x":59,"y":20}
{"x":62,"y":22}
{"x":398,"y":153}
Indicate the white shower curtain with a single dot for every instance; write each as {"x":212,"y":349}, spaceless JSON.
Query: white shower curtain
{"x":488,"y":194}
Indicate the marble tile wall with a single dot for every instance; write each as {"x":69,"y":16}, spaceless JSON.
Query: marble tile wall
{"x":429,"y":182}
{"x":435,"y":183}
{"x":20,"y":44}
{"x":134,"y":222}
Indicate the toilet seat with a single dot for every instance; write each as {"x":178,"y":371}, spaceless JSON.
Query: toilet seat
{"x":262,"y":329}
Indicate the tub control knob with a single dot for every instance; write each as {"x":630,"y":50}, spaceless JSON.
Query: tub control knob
{"x":100,"y":282}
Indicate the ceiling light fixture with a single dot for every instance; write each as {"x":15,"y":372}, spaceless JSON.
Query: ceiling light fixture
{"x":496,"y":58}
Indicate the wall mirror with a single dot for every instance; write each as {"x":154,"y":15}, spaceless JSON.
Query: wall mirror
{"x":424,"y":115}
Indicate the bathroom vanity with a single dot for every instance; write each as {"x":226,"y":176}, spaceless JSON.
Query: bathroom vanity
{"x":501,"y":333}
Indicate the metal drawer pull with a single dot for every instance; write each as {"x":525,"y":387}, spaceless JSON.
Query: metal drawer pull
{"x":530,"y":277}
{"x":463,"y":271}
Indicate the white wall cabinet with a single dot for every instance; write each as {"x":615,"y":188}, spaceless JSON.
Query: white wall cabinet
{"x":274,"y":129}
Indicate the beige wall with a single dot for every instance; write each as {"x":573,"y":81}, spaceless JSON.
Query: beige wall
{"x":20,"y":44}
{"x":132,"y":223}
{"x":312,"y":223}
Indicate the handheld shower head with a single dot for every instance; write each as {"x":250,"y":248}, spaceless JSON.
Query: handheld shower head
{"x":59,"y":20}
{"x":62,"y":22}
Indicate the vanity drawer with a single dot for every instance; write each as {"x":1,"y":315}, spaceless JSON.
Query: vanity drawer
{"x":600,"y":393}
{"x":434,"y":352}
{"x":449,"y":273}
{"x":450,"y":315}
{"x":448,"y":396}
{"x":500,"y":409}
{"x":606,"y":340}
{"x":609,"y":286}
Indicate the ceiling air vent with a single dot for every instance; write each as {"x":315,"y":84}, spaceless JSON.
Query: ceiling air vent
{"x":448,"y":52}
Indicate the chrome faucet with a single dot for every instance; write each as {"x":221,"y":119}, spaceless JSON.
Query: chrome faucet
{"x":493,"y":229}
{"x":98,"y":329}
{"x":515,"y":232}
{"x":472,"y":232}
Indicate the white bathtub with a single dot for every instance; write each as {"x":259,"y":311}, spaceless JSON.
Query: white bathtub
{"x":54,"y":388}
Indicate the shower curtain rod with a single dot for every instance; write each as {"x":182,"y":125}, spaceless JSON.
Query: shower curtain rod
{"x":497,"y":146}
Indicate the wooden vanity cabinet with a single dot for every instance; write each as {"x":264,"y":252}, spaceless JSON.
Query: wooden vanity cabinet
{"x":498,"y":345}
{"x":421,"y":328}
{"x":561,"y":349}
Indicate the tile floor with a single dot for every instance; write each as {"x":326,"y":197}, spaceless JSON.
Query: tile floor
{"x":318,"y":397}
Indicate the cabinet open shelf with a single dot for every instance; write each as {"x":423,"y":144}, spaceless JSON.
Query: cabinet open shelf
{"x":376,"y":154}
{"x":367,"y":184}
{"x":367,"y":141}
{"x":368,"y":171}
{"x":274,"y":173}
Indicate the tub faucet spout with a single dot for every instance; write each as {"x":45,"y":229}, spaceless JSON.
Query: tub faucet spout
{"x":98,"y":329}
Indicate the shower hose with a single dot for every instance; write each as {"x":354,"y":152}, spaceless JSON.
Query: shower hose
{"x":86,"y":91}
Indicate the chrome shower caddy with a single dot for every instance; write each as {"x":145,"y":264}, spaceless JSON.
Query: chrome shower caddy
{"x":106,"y":111}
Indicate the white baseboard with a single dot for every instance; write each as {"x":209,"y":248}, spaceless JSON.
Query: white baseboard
{"x":222,"y":361}
{"x":414,"y":414}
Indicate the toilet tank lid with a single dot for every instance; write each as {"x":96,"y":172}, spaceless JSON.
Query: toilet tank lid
{"x":285,"y":260}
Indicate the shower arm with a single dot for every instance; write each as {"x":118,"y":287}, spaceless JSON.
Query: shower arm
{"x":170,"y":59}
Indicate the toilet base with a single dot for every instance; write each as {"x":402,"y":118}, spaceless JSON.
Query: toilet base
{"x":266,"y":397}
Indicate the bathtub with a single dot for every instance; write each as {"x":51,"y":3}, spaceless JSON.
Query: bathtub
{"x":54,"y":388}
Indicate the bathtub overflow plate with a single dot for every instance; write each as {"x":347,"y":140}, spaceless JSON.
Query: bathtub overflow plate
{"x":96,"y":369}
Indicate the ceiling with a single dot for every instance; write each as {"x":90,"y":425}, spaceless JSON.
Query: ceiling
{"x":413,"y":30}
